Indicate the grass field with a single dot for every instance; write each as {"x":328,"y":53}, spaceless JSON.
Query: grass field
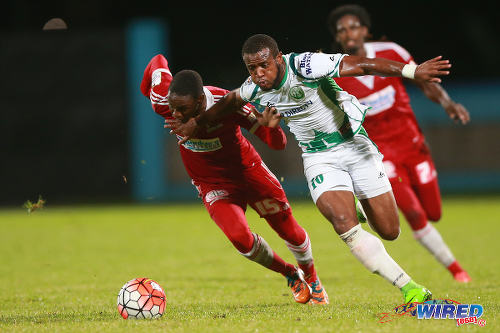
{"x":62,"y":268}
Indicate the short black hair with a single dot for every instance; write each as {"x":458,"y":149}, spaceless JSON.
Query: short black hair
{"x":258,"y":42}
{"x":187,"y":83}
{"x":360,"y":12}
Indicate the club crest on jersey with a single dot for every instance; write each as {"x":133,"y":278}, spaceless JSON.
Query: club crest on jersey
{"x":296,"y":93}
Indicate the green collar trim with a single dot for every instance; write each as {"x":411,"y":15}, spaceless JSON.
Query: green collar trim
{"x":254,"y":92}
{"x":286,"y":74}
{"x":292,"y":65}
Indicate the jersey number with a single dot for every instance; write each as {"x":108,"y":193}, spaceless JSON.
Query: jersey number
{"x":267,"y":207}
{"x":316,"y":181}
{"x":424,"y":172}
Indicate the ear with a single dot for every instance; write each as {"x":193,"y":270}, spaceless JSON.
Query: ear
{"x":364,"y":31}
{"x":201,"y":98}
{"x":200,"y":102}
{"x":279,"y":57}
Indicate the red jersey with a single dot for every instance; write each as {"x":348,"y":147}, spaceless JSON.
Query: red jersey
{"x":219,"y":153}
{"x":390,"y":122}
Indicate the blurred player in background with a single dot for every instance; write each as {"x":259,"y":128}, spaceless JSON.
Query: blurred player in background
{"x":229,"y":174}
{"x":392,"y":125}
{"x":339,"y":158}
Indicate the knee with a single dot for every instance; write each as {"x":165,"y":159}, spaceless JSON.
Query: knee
{"x":434,"y":215}
{"x":286,"y":226}
{"x":342,"y":223}
{"x":390,"y":234}
{"x":336,"y":210}
{"x":415,"y":216}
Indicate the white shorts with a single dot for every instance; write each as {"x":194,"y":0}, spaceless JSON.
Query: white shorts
{"x":355,"y":165}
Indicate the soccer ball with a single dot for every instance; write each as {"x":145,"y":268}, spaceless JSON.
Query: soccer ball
{"x":141,"y":298}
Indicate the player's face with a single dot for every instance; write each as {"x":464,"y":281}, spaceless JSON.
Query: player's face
{"x":351,"y":34}
{"x":266,"y":71}
{"x":185,"y":107}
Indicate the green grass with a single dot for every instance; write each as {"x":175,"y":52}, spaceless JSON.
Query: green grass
{"x":62,"y":267}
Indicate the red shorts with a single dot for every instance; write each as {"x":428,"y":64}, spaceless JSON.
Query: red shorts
{"x":258,"y":188}
{"x":415,"y":167}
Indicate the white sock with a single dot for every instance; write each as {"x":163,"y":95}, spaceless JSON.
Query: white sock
{"x":370,"y":251}
{"x":261,"y":252}
{"x":302,"y":252}
{"x":431,"y":239}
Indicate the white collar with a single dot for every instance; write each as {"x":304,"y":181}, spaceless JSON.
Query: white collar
{"x":209,"y":97}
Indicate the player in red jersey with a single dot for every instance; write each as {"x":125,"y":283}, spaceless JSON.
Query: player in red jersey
{"x":392,"y":125}
{"x":229,"y":174}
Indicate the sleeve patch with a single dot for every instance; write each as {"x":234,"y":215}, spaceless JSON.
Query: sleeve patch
{"x":156,"y":76}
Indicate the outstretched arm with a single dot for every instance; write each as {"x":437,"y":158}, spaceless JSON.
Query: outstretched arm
{"x":436,"y":93}
{"x":155,"y":83}
{"x":272,"y":135}
{"x":426,"y":71}
{"x":229,"y":103}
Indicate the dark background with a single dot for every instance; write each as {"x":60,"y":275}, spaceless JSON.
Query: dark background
{"x":64,"y":108}
{"x":205,"y":34}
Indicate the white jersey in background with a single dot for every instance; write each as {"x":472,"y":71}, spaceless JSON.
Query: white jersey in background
{"x":317,"y":111}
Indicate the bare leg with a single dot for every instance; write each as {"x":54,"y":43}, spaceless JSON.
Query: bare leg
{"x":382,"y":212}
{"x":338,"y":208}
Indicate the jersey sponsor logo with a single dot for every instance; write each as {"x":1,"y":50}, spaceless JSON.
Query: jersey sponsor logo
{"x":296,"y":93}
{"x":215,"y":195}
{"x":380,"y":101}
{"x":203,"y":145}
{"x":296,"y":110}
{"x":305,"y":62}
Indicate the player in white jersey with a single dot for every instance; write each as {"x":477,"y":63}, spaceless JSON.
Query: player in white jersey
{"x":339,"y":158}
{"x":392,"y":125}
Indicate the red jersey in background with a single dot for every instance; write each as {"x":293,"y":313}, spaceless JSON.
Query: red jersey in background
{"x":390,"y":122}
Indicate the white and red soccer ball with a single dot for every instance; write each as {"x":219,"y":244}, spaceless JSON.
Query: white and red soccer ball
{"x":141,"y":298}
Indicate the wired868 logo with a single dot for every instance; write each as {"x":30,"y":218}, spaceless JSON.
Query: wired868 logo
{"x":438,"y":309}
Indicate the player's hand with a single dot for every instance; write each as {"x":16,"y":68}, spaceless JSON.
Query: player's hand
{"x":432,"y":69}
{"x":270,"y":117}
{"x":187,"y":130}
{"x":457,"y":112}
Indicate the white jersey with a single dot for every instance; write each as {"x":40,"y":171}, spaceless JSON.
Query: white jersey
{"x":314,"y":107}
